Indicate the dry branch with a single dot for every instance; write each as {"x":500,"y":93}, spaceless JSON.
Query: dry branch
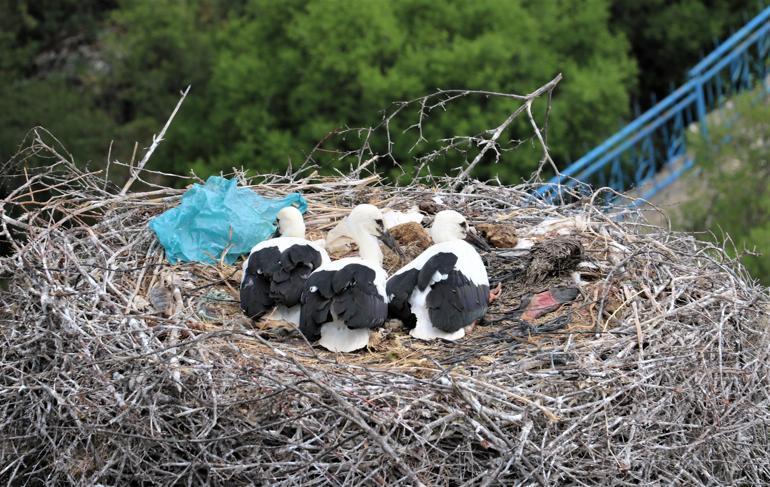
{"x":423,"y":151}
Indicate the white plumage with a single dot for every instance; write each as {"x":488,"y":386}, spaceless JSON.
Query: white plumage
{"x":276,"y":269}
{"x":445,"y":289}
{"x":343,"y":300}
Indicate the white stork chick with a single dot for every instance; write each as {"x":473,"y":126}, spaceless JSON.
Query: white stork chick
{"x":276,"y":270}
{"x":445,"y":289}
{"x":345,"y":299}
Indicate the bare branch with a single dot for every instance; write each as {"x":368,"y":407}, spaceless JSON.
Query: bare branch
{"x":156,"y":140}
{"x":423,"y":151}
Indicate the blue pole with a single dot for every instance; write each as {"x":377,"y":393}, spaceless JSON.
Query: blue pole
{"x":700,"y":102}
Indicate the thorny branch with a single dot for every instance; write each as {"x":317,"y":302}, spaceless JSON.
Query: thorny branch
{"x":423,"y":151}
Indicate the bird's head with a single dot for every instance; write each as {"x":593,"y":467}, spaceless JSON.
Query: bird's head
{"x":291,"y":223}
{"x":367,"y":220}
{"x":450,"y":225}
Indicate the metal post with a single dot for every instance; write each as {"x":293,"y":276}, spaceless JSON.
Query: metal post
{"x":701,"y":105}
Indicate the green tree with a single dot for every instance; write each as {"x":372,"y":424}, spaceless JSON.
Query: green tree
{"x":288,"y":73}
{"x":155,"y":50}
{"x":271,"y":78}
{"x":670,"y":36}
{"x":735,"y":160}
{"x":47,"y":66}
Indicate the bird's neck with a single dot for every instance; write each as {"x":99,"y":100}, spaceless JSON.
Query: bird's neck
{"x":441,"y":234}
{"x":369,"y":249}
{"x":293,"y":229}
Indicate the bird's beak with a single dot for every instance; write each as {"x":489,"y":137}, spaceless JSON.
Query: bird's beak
{"x":388,"y":240}
{"x":476,"y":240}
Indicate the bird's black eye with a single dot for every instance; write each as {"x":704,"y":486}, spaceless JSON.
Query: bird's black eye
{"x":378,"y":222}
{"x":465,"y":225}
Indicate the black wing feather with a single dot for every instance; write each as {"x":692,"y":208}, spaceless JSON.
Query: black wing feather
{"x":349,"y":293}
{"x":255,"y":286}
{"x":296,"y":264}
{"x":400,"y":288}
{"x":456,"y":302}
{"x":316,"y":305}
{"x":442,"y":262}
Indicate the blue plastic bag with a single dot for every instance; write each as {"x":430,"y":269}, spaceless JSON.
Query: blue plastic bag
{"x":216,"y":216}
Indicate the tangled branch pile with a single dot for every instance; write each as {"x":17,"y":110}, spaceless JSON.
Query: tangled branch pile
{"x":119,"y":367}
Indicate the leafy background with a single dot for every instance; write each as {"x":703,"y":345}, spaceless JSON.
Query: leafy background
{"x":731,"y":200}
{"x":269,"y":79}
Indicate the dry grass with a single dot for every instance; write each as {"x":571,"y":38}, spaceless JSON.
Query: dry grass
{"x":118,"y":367}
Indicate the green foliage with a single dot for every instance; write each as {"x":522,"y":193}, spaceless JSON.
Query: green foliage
{"x":45,"y":69}
{"x":155,"y":50}
{"x":84,"y":128}
{"x":735,"y":160}
{"x":271,"y":78}
{"x":670,"y":36}
{"x":285,"y":74}
{"x":50,"y":27}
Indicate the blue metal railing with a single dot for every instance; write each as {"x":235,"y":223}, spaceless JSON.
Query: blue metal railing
{"x":656,"y":140}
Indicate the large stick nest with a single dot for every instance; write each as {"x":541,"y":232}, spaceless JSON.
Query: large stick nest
{"x":118,"y":367}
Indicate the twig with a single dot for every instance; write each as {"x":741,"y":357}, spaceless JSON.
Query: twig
{"x":490,"y":143}
{"x":156,"y":140}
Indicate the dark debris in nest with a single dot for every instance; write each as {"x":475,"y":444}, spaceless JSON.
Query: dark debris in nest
{"x":553,"y":257}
